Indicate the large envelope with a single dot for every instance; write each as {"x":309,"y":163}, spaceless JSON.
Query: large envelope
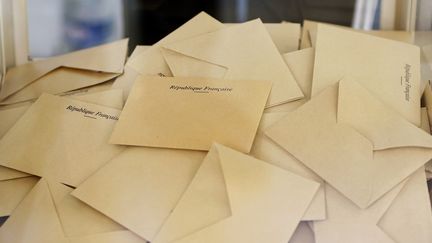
{"x":265,"y":149}
{"x":402,"y":215}
{"x":237,"y":198}
{"x":371,"y":61}
{"x":301,"y":65}
{"x":251,"y":55}
{"x":64,"y":73}
{"x":60,"y":138}
{"x":362,"y":156}
{"x":49,"y":214}
{"x":191,"y":113}
{"x":142,"y":186}
{"x":151,"y":61}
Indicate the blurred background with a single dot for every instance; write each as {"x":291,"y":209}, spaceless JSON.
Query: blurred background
{"x":60,"y":26}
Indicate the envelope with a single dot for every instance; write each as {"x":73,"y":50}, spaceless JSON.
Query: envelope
{"x":8,"y":174}
{"x":13,"y":191}
{"x":362,"y":157}
{"x":265,"y":149}
{"x":402,"y":215}
{"x":142,"y":185}
{"x":309,"y":33}
{"x":285,"y":35}
{"x":303,"y":234}
{"x":301,"y":65}
{"x":237,"y":198}
{"x":151,"y":61}
{"x":61,"y":139}
{"x":427,"y":53}
{"x":49,"y":214}
{"x":240,"y":58}
{"x":191,"y":113}
{"x":64,"y":73}
{"x":370,"y":61}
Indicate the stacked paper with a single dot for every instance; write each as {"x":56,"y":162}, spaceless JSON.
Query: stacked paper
{"x":220,"y":133}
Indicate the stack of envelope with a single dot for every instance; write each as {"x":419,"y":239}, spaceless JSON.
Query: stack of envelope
{"x":232,"y":133}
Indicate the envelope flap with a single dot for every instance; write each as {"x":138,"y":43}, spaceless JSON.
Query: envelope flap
{"x":34,"y":220}
{"x":358,"y":108}
{"x":7,"y":174}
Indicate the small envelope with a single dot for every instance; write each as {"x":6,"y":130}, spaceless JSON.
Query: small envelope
{"x":142,"y":186}
{"x":48,"y":214}
{"x":251,"y":55}
{"x":361,"y":156}
{"x":64,"y":73}
{"x":370,"y":61}
{"x":151,"y":61}
{"x":265,"y":149}
{"x":237,"y":198}
{"x":13,"y":191}
{"x":191,"y":113}
{"x":62,"y":139}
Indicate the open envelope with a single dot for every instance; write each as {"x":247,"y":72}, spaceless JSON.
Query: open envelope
{"x":151,"y":61}
{"x":218,"y":55}
{"x":402,"y":215}
{"x":64,"y":73}
{"x":265,"y":149}
{"x":191,"y":113}
{"x":370,"y":61}
{"x":361,"y":156}
{"x":49,"y":214}
{"x":60,"y":138}
{"x":237,"y":198}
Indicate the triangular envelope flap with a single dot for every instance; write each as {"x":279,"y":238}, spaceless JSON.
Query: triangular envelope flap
{"x":186,"y":66}
{"x":204,"y":203}
{"x":108,"y":58}
{"x":34,"y":220}
{"x":358,"y":108}
{"x":7,"y":174}
{"x":76,"y":217}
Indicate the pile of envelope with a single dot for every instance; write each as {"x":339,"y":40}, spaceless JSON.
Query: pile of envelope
{"x":231,"y":133}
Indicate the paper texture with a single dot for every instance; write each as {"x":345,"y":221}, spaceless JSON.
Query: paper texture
{"x":61,"y":139}
{"x":191,"y":113}
{"x":370,"y":61}
{"x":233,"y":199}
{"x":332,"y":136}
{"x":13,"y":191}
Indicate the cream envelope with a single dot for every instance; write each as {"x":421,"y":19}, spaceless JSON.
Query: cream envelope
{"x":301,"y":65}
{"x":64,"y":73}
{"x":50,"y":214}
{"x":402,"y":215}
{"x":142,"y":186}
{"x":13,"y":191}
{"x":191,"y":113}
{"x":362,"y":156}
{"x":151,"y":61}
{"x":265,"y":149}
{"x":309,"y":30}
{"x":286,"y":36}
{"x":237,"y":198}
{"x":240,"y":57}
{"x":60,"y":138}
{"x":371,"y":61}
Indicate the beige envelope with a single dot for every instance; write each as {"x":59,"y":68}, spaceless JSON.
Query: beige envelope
{"x":371,"y":61}
{"x":8,"y":174}
{"x":64,"y":73}
{"x":151,"y":61}
{"x":286,"y":36}
{"x":362,"y":156}
{"x":402,"y":215}
{"x":265,"y":149}
{"x":50,"y":214}
{"x":191,"y":113}
{"x":301,"y":65}
{"x":13,"y":191}
{"x":427,"y":53}
{"x":237,"y":198}
{"x":235,"y":58}
{"x":309,"y":30}
{"x":142,"y":186}
{"x":60,"y":138}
